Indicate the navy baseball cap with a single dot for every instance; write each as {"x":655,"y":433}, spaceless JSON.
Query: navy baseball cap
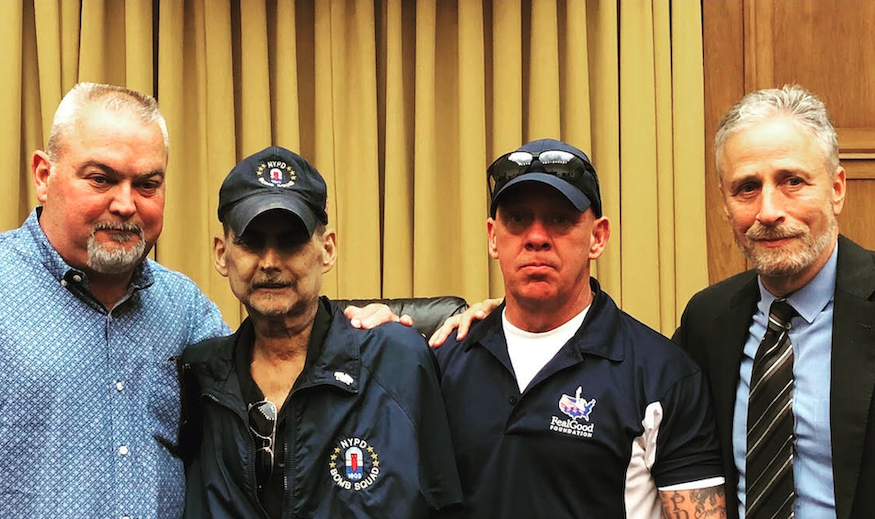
{"x":555,"y":163}
{"x":273,"y":178}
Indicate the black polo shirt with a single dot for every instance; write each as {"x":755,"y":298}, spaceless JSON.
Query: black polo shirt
{"x":617,"y":413}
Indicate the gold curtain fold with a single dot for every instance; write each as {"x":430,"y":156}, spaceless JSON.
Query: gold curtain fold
{"x":401,"y":105}
{"x":14,"y":161}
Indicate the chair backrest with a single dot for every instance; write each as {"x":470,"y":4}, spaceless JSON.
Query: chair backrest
{"x":428,"y":313}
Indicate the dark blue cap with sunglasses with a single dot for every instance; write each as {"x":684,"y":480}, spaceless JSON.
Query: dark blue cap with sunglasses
{"x":273,"y":178}
{"x":555,"y":163}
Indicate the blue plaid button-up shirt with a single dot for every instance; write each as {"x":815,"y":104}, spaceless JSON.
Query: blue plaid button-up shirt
{"x":89,"y":398}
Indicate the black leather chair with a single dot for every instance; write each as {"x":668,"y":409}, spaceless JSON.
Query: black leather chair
{"x":428,"y":313}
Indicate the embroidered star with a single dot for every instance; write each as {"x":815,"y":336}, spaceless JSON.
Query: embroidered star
{"x":336,"y":450}
{"x":332,"y":464}
{"x":370,"y":449}
{"x":333,"y":457}
{"x":376,"y":463}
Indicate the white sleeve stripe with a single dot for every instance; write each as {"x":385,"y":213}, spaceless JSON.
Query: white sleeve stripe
{"x":641,"y":498}
{"x":693,"y":485}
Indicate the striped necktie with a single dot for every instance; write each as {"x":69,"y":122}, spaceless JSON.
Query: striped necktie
{"x":770,"y":489}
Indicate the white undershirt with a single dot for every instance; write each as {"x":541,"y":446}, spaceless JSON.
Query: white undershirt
{"x":529,"y":351}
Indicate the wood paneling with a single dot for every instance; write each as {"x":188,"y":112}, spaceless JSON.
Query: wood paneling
{"x":825,"y":46}
{"x":857,"y":154}
{"x":856,"y":221}
{"x":724,"y":85}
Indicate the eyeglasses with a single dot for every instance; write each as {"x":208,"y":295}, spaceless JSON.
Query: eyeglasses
{"x":559,"y":163}
{"x":262,"y":423}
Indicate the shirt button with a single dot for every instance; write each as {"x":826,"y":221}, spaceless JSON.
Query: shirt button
{"x":512,"y":400}
{"x":123,"y":450}
{"x":63,"y":282}
{"x":126,"y":517}
{"x":77,"y":278}
{"x":119,"y":385}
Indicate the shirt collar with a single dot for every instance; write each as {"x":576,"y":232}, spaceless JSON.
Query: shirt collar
{"x":598,"y":335}
{"x":812,"y":298}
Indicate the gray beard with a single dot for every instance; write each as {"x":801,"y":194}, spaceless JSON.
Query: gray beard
{"x":119,"y":260}
{"x":783,"y":264}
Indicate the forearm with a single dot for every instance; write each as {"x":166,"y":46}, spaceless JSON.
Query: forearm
{"x":694,"y":503}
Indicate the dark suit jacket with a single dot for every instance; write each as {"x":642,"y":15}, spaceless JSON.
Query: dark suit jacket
{"x":714,"y":328}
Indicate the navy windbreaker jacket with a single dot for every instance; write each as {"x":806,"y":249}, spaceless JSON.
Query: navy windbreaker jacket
{"x":366,"y":436}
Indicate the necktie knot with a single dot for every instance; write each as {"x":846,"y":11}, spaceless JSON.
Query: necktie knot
{"x":780,"y":314}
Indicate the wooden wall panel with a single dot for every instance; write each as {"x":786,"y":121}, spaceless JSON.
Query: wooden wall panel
{"x":856,"y":219}
{"x":827,"y":46}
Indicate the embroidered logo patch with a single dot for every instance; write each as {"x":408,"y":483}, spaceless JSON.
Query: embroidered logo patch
{"x":276,"y":173}
{"x":354,"y":464}
{"x":575,"y":407}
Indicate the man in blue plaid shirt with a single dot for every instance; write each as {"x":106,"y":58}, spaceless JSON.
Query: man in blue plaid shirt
{"x":90,"y":328}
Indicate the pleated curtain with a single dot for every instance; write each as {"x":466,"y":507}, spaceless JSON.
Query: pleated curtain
{"x":401,"y":105}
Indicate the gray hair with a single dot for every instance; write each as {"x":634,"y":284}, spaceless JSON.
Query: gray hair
{"x":790,"y":100}
{"x":113,"y":99}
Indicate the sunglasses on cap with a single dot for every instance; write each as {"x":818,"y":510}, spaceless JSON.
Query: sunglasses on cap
{"x":262,"y":423}
{"x":559,"y":163}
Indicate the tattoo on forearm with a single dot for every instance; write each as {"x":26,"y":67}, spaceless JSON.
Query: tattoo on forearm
{"x":701,"y":503}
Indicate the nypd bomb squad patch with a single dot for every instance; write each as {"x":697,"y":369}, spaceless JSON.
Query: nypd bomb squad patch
{"x":276,"y":173}
{"x":575,"y":407}
{"x":354,"y":464}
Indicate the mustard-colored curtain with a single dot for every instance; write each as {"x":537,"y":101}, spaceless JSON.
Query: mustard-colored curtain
{"x":401,"y":105}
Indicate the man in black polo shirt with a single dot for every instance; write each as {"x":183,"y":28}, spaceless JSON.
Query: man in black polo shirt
{"x":298,"y":414}
{"x":560,"y":404}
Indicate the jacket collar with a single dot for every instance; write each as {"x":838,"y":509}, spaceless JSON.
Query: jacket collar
{"x":335,"y":362}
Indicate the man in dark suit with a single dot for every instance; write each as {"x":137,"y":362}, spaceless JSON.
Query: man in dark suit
{"x":782,"y":186}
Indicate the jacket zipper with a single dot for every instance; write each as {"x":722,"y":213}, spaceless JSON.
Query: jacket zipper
{"x":252,"y":453}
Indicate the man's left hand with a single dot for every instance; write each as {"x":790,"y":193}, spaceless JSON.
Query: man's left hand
{"x":374,"y":315}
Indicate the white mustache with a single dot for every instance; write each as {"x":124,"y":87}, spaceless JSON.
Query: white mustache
{"x":759,"y":231}
{"x":121,"y":227}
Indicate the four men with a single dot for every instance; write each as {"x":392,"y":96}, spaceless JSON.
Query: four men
{"x":560,"y":404}
{"x":298,"y":414}
{"x":90,"y":328}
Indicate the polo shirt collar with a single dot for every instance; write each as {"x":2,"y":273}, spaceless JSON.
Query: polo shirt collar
{"x":598,"y":335}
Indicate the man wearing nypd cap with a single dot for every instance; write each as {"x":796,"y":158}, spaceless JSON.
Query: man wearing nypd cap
{"x":560,"y":404}
{"x":298,"y":414}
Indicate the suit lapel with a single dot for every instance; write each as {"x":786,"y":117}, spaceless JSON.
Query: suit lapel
{"x":729,"y":329}
{"x":853,"y":368}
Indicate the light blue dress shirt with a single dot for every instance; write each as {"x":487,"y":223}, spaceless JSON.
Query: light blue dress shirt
{"x":811,"y":337}
{"x":89,"y":398}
